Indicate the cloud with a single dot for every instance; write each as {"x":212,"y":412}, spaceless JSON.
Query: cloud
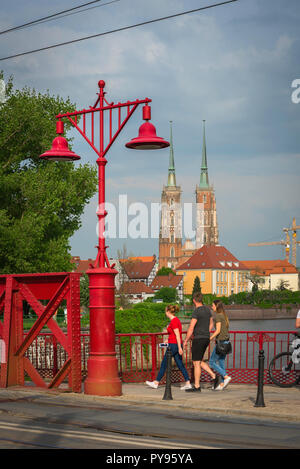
{"x":232,"y":66}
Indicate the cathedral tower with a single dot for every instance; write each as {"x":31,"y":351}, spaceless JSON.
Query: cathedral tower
{"x":170,"y":237}
{"x":206,"y":214}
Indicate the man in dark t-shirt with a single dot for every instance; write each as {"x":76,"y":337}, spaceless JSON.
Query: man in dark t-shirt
{"x":200,"y":326}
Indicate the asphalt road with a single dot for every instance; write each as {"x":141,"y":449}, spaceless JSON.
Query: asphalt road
{"x":33,"y":424}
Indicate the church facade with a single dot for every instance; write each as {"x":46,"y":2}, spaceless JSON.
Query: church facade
{"x":173,"y":248}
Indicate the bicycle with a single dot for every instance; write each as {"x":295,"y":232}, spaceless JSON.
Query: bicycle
{"x":284,"y":368}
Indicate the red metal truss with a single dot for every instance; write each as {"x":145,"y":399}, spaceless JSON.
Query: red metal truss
{"x":33,"y":288}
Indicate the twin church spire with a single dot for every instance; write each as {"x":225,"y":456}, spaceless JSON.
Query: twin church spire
{"x":204,"y":182}
{"x":171,"y":174}
{"x":172,"y":251}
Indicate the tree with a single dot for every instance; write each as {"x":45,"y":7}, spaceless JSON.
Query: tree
{"x":123,"y":259}
{"x":84,"y":291}
{"x":40,"y":202}
{"x":167,"y":294}
{"x":165,"y":271}
{"x":197,"y":286}
{"x":283,"y":285}
{"x":256,"y":280}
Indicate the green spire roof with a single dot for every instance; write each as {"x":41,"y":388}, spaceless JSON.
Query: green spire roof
{"x":171,"y":174}
{"x":204,"y":184}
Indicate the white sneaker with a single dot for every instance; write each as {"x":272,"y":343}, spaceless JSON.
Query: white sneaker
{"x":186,"y":386}
{"x":226,"y":381}
{"x":152,"y":384}
{"x":220,"y":387}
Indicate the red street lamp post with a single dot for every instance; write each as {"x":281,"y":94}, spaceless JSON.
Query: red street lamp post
{"x":103,"y":378}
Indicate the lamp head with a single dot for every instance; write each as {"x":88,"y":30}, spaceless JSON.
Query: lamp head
{"x":60,"y":150}
{"x":147,"y":138}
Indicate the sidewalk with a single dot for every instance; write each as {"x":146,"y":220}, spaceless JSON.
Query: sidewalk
{"x":236,"y":401}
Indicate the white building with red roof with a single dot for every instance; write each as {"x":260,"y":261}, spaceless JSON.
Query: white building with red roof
{"x":274,"y":272}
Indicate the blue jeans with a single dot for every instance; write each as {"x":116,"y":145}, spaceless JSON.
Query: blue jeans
{"x":217,"y":362}
{"x":178,"y":360}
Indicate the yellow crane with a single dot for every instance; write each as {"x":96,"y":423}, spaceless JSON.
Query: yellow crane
{"x":285,"y":242}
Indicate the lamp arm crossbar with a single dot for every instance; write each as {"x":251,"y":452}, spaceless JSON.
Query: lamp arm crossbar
{"x":100,"y":153}
{"x":104,"y":108}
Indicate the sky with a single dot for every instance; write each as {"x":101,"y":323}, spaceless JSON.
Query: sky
{"x":233,"y":65}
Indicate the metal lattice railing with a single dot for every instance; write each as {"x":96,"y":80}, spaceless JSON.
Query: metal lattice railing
{"x":139,"y":355}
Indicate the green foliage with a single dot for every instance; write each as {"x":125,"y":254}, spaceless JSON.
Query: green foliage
{"x":165,"y":271}
{"x":84,"y":291}
{"x":167,"y":294}
{"x":260,"y":298}
{"x":40,"y":202}
{"x":196,"y":286}
{"x":142,"y":317}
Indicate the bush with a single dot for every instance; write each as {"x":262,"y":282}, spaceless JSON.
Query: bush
{"x":167,"y":294}
{"x":142,"y":317}
{"x":266,"y":298}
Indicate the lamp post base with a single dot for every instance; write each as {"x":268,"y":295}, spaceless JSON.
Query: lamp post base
{"x":103,"y":377}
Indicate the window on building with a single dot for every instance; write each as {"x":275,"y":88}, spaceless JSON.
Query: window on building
{"x":172,"y":252}
{"x":232,"y":276}
{"x":217,"y":276}
{"x":202,"y":276}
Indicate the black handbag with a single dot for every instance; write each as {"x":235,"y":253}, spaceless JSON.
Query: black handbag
{"x":223,"y":347}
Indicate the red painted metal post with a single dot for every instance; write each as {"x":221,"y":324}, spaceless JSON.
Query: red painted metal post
{"x":154,"y":357}
{"x":103,"y":378}
{"x":73,"y":324}
{"x":12,"y":370}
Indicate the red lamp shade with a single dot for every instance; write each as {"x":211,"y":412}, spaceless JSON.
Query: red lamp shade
{"x":147,"y":139}
{"x":60,"y":151}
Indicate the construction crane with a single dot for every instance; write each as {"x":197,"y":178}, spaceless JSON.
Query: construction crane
{"x":285,"y":242}
{"x":294,"y":241}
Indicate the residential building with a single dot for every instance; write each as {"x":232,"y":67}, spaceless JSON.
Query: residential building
{"x":273,"y":273}
{"x":219,"y":271}
{"x":171,"y":281}
{"x":137,"y":291}
{"x":136,"y":269}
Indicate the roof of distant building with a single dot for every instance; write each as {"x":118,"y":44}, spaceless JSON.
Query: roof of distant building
{"x":132,"y":288}
{"x":169,"y":280}
{"x":137,"y":269}
{"x":212,"y":257}
{"x":265,"y":268}
{"x":81,"y":265}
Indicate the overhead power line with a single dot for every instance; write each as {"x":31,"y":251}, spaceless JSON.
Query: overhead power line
{"x":56,"y":17}
{"x":48,"y":17}
{"x":116,"y":30}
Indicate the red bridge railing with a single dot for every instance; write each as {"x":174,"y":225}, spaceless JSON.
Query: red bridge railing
{"x":139,"y":355}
